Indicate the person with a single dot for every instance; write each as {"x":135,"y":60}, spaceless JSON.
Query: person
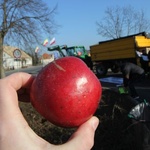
{"x":132,"y":74}
{"x":144,"y":60}
{"x":15,"y":133}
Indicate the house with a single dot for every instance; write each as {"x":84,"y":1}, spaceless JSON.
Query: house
{"x":47,"y":58}
{"x":11,"y":61}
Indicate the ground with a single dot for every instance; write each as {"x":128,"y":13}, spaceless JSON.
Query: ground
{"x":115,"y":131}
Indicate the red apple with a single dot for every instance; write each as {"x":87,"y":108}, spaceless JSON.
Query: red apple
{"x":66,"y":92}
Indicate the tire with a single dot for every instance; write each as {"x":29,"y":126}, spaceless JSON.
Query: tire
{"x":101,"y":70}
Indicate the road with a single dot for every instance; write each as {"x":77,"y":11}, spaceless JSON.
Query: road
{"x":31,"y":70}
{"x":143,"y":89}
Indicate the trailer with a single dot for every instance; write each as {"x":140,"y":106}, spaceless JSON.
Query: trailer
{"x":109,"y":54}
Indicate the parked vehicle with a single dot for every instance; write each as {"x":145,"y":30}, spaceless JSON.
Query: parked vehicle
{"x":60,"y":49}
{"x":77,"y":51}
{"x":109,"y":54}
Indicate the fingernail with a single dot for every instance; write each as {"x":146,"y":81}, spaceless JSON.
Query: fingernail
{"x":95,"y":123}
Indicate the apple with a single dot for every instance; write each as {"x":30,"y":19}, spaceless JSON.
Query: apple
{"x":66,"y":92}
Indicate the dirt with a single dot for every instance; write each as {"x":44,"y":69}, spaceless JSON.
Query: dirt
{"x":115,"y":131}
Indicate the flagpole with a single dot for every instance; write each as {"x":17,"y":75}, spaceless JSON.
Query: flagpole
{"x":46,"y":41}
{"x":42,"y":61}
{"x":44,"y":44}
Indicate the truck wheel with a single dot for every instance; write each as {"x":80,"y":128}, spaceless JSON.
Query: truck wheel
{"x":101,"y":70}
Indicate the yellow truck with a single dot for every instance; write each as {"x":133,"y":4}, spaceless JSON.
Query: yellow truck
{"x":109,"y":54}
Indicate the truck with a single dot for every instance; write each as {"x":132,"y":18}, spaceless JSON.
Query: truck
{"x":111,"y":53}
{"x":77,"y":51}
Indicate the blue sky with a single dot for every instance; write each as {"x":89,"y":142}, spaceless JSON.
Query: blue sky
{"x":78,"y":19}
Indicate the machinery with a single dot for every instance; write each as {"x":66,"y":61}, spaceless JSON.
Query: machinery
{"x":109,"y":54}
{"x":77,"y":51}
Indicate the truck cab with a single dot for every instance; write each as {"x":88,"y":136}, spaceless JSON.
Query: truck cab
{"x":76,"y":51}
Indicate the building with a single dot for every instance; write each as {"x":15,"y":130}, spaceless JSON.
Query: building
{"x":11,"y":61}
{"x":47,"y":58}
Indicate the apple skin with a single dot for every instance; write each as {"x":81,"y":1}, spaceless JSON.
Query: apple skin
{"x":66,"y":92}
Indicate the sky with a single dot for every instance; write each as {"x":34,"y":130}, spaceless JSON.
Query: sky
{"x":77,"y":19}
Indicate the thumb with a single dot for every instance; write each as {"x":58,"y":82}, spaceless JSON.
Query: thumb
{"x":83,"y":138}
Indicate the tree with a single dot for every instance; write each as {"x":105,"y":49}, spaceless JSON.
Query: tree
{"x":24,"y":22}
{"x":31,"y":53}
{"x":122,"y":21}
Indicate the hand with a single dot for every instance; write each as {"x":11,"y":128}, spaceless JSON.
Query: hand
{"x":15,"y":133}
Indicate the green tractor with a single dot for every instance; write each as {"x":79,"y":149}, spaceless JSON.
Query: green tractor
{"x":80,"y":52}
{"x":77,"y":51}
{"x":60,"y":49}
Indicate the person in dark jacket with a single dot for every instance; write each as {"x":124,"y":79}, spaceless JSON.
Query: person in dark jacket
{"x":144,"y":60}
{"x":132,"y":74}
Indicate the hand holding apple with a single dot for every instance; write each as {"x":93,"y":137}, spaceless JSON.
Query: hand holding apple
{"x":66,"y":92}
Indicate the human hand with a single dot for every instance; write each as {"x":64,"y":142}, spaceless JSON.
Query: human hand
{"x":15,"y":133}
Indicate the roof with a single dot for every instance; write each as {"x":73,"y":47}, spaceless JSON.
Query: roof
{"x":46,"y":56}
{"x":10,"y":49}
{"x":133,"y":35}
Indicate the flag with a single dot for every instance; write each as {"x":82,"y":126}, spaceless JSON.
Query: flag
{"x":37,"y":49}
{"x":45,"y":42}
{"x":52,"y":41}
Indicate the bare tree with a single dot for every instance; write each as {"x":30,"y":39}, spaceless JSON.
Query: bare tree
{"x":122,"y":21}
{"x":24,"y":22}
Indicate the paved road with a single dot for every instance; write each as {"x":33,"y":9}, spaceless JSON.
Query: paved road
{"x":31,"y":70}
